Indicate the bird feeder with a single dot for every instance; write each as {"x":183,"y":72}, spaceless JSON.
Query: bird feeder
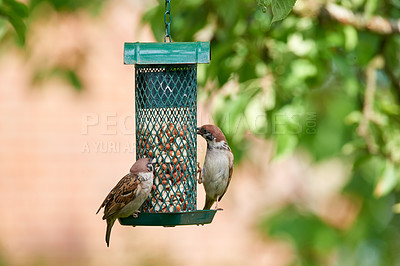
{"x":166,"y":129}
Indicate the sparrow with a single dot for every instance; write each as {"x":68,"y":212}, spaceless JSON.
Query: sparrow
{"x":129,"y":194}
{"x":218,"y":165}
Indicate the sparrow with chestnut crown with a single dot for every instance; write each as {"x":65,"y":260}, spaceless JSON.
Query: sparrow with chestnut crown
{"x":218,"y":165}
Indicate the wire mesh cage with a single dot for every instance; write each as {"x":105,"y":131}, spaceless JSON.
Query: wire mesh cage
{"x":166,"y":130}
{"x":166,"y":123}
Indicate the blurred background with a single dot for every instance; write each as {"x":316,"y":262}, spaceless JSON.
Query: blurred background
{"x":309,"y":105}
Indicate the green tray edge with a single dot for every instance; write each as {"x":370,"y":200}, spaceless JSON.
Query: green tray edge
{"x":199,"y":217}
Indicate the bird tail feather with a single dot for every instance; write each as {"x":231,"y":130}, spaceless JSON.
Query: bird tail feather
{"x":208,"y":204}
{"x":110,"y":223}
{"x":99,"y":209}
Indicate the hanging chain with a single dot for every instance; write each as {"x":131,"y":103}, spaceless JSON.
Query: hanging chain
{"x":167,"y":20}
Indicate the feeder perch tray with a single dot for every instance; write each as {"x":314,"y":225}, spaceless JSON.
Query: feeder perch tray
{"x":200,"y":217}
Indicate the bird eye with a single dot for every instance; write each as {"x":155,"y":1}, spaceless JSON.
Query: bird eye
{"x":210,"y":137}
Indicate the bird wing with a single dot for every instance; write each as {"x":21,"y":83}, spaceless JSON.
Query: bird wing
{"x":123,"y":193}
{"x":230,"y":157}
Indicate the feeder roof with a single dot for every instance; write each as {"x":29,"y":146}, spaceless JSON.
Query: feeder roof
{"x":167,"y":53}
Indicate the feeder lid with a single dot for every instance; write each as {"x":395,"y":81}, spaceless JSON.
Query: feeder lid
{"x":167,"y":53}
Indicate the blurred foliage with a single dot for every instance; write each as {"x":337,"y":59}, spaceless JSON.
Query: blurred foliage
{"x":20,"y":16}
{"x":68,"y":74}
{"x":69,"y":5}
{"x":312,"y":83}
{"x":14,"y":12}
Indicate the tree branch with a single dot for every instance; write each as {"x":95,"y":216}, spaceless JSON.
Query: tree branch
{"x":368,"y":109}
{"x":343,"y":15}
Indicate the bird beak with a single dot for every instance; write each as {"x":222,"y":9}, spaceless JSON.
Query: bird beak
{"x":199,"y":131}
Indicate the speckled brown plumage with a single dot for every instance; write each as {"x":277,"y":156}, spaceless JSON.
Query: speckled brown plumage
{"x":120,"y":195}
{"x":128,"y":195}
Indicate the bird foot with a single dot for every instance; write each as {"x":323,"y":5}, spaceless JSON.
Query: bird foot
{"x":219,"y":209}
{"x":136,"y":214}
{"x":199,"y":179}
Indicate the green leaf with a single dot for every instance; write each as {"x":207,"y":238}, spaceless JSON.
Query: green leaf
{"x":3,"y":27}
{"x":74,"y":80}
{"x":387,"y":180}
{"x":396,"y":208}
{"x":19,"y":27}
{"x":285,"y":145}
{"x":351,"y":37}
{"x":14,"y":12}
{"x":20,"y":9}
{"x":281,"y":8}
{"x":370,"y":7}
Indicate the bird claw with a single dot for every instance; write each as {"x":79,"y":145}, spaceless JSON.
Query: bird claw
{"x":136,"y":214}
{"x":216,"y":205}
{"x":199,"y":180}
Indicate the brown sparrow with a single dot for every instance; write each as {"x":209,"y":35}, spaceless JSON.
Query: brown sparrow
{"x":218,"y":165}
{"x":129,"y":194}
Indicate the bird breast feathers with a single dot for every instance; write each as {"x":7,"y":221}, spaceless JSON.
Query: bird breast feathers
{"x":132,"y":188}
{"x":215,"y":160}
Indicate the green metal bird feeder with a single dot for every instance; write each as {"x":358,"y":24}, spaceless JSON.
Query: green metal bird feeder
{"x":166,"y":128}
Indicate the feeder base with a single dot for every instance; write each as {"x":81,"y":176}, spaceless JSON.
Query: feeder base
{"x":199,"y":217}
